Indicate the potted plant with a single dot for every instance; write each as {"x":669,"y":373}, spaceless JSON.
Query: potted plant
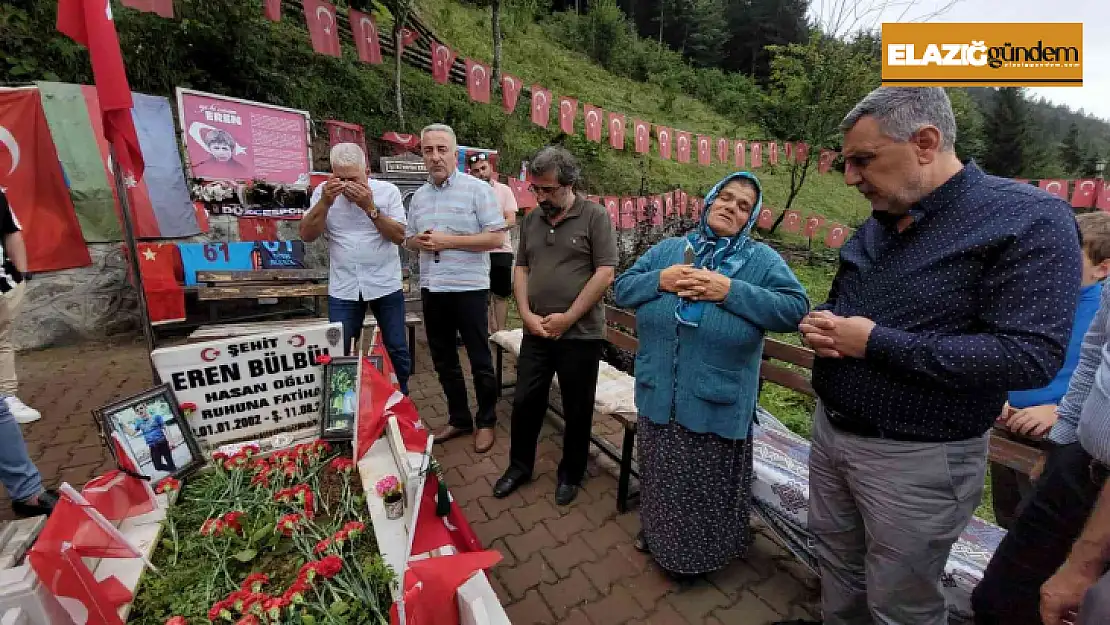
{"x":389,"y":489}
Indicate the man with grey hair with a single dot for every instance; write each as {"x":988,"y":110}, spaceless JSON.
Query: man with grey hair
{"x":960,"y":288}
{"x":363,"y":221}
{"x":454,"y":222}
{"x":566,"y":259}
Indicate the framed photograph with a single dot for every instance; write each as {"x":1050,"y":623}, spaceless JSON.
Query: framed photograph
{"x":340,"y":401}
{"x":152,"y":430}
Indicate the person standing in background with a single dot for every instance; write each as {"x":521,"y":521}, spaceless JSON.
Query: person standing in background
{"x":364,"y":222}
{"x":454,"y":221}
{"x":500,"y":260}
{"x":13,"y":287}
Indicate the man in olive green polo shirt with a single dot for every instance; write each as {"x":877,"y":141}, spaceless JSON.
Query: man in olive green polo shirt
{"x":566,"y":259}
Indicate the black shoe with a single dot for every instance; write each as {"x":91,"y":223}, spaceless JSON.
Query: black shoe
{"x":513,"y":479}
{"x":565,"y":493}
{"x":44,"y":506}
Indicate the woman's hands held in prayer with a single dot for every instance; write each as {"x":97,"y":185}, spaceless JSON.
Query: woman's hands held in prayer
{"x":694,"y":284}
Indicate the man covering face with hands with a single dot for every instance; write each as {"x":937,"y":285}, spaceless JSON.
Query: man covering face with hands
{"x":363,"y":221}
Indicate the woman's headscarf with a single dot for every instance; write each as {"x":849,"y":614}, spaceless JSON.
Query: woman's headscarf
{"x":716,"y":253}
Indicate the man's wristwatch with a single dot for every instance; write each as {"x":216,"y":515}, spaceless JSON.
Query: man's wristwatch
{"x":373,"y":212}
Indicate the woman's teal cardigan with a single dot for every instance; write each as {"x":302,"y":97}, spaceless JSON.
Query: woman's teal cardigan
{"x":707,"y":376}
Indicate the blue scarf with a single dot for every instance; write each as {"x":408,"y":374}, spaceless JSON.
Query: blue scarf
{"x":725,"y":255}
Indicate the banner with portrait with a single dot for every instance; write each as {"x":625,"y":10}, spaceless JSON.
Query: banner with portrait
{"x":231,"y":139}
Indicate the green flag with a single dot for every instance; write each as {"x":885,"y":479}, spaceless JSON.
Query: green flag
{"x":67,"y":115}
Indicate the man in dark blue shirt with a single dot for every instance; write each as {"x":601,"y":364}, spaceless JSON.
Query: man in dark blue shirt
{"x":961,"y":287}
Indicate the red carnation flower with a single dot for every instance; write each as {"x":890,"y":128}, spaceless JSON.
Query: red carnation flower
{"x":231,"y":520}
{"x":177,"y":620}
{"x":212,"y":527}
{"x":167,"y":484}
{"x":255,"y":582}
{"x":248,"y":619}
{"x":289,"y":524}
{"x":329,"y":567}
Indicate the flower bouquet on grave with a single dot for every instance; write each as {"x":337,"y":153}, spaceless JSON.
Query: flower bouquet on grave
{"x":389,"y":489}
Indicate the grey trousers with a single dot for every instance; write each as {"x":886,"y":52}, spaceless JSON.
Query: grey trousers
{"x":1096,"y":604}
{"x":885,"y":514}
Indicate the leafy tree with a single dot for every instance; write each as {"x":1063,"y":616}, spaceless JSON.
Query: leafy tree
{"x":1091,"y":163}
{"x":969,"y":126}
{"x":812,"y":86}
{"x":1007,"y":133}
{"x":753,"y":25}
{"x":1071,"y":154}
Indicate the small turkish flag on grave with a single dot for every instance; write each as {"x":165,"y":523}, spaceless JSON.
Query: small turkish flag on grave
{"x":365,"y":31}
{"x":1084,"y":194}
{"x":665,"y":135}
{"x":705,"y":155}
{"x":1059,"y":188}
{"x":739,"y":150}
{"x":792,"y":221}
{"x":510,"y":91}
{"x":757,"y":155}
{"x":442,"y":60}
{"x":813,"y":222}
{"x":323,"y":29}
{"x":541,"y":106}
{"x":593,"y":121}
{"x":477,"y":81}
{"x":568,"y":110}
{"x":836,"y":236}
{"x":766,"y":219}
{"x":682,"y":146}
{"x":616,"y":131}
{"x":825,"y":161}
{"x":643,"y":136}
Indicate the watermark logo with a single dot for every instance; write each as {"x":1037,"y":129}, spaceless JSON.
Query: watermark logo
{"x":992,"y":55}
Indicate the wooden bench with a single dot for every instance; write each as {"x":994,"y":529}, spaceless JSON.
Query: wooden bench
{"x":780,"y":365}
{"x":215,"y":332}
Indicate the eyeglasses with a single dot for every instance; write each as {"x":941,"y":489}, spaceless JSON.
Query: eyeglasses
{"x":545,"y":189}
{"x":480,"y":156}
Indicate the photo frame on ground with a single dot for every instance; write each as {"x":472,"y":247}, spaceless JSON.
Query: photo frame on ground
{"x":339,"y":407}
{"x":153,"y":431}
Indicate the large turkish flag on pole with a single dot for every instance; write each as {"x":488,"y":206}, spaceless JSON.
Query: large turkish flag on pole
{"x":323,"y":29}
{"x":89,"y":23}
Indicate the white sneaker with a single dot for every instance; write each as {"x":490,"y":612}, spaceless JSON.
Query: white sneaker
{"x":22,"y":412}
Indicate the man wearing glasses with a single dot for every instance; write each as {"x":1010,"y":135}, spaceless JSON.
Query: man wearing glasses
{"x":500,"y":260}
{"x":454,"y":221}
{"x":565,"y":261}
{"x":961,"y":287}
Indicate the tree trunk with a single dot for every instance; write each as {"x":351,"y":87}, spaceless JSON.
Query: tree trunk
{"x":495,"y":7}
{"x":399,"y":101}
{"x":796,"y":182}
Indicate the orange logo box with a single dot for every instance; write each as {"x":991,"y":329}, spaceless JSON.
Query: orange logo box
{"x":984,"y":55}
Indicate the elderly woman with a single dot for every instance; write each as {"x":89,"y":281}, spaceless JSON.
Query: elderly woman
{"x":703,"y":304}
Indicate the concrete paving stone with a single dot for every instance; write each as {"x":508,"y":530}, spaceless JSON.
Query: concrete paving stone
{"x":606,"y":537}
{"x":608,"y":569}
{"x":735,"y":578}
{"x":531,"y":610}
{"x":615,"y":608}
{"x":697,"y":599}
{"x":495,"y":507}
{"x":570,"y":524}
{"x":507,"y":557}
{"x":648,"y":588}
{"x":577,"y":617}
{"x":530,"y":514}
{"x":524,"y":545}
{"x":665,"y":614}
{"x":779,"y":591}
{"x":497,"y":527}
{"x":567,"y":557}
{"x":567,"y":593}
{"x":526,"y":575}
{"x":749,"y":609}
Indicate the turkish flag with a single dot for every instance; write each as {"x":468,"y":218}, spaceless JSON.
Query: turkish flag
{"x":773,"y":153}
{"x":825,"y":161}
{"x":614,"y":210}
{"x":541,"y":106}
{"x":698,"y":205}
{"x":616,"y":131}
{"x":682,"y":146}
{"x":668,"y":209}
{"x":367,"y":41}
{"x":722,"y":150}
{"x":788,"y":148}
{"x":510,"y":91}
{"x":682,"y":202}
{"x":430,"y":595}
{"x":378,"y":350}
{"x":739,"y":150}
{"x":442,"y":60}
{"x":593,"y":121}
{"x":813,"y":222}
{"x":643,"y":136}
{"x":344,"y":132}
{"x":77,"y":522}
{"x":1059,"y":188}
{"x":665,"y":135}
{"x":163,"y":8}
{"x":32,"y":178}
{"x":596,"y":199}
{"x":257,"y":229}
{"x":87,"y":600}
{"x":323,"y":29}
{"x":119,"y":496}
{"x":405,"y":141}
{"x":272,"y":9}
{"x":477,"y":81}
{"x":434,"y":531}
{"x":766,"y":219}
{"x":568,"y":110}
{"x":801,"y":152}
{"x":1103,"y":201}
{"x":757,"y":155}
{"x":1084,"y":194}
{"x":836,"y":236}
{"x":627,"y":213}
{"x":705,"y":155}
{"x":165,"y":298}
{"x":642,"y":207}
{"x":89,"y":23}
{"x":378,"y":400}
{"x":792,"y":221}
{"x":525,"y":199}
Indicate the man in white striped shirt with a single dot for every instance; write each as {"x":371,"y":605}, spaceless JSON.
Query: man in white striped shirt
{"x":455,"y":221}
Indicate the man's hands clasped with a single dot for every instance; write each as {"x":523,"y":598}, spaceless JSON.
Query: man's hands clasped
{"x":549,"y":326}
{"x":833,"y":336}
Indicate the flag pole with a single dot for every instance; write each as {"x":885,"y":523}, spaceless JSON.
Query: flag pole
{"x":132,"y":252}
